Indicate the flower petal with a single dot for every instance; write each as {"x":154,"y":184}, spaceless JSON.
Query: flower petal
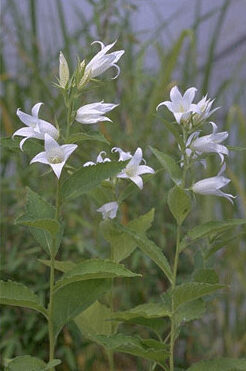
{"x":189,"y":95}
{"x":143,"y":169}
{"x":40,"y":157}
{"x":57,"y":168}
{"x":68,"y":150}
{"x":136,"y":158}
{"x":26,"y":119}
{"x":138,"y":181}
{"x":175,"y":95}
{"x":35,"y":109}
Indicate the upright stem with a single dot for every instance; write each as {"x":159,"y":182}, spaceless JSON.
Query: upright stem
{"x":172,"y":334}
{"x":52,"y":281}
{"x":111,"y":303}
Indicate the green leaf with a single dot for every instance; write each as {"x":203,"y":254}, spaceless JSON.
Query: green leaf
{"x":191,"y":291}
{"x":208,"y":229}
{"x":29,"y":363}
{"x":93,"y":135}
{"x":205,"y":275}
{"x":149,"y":310}
{"x":169,"y":165}
{"x":222,"y":364}
{"x":190,"y":311}
{"x":179,"y":204}
{"x":122,"y":245}
{"x":31,"y":146}
{"x":71,"y":299}
{"x":62,"y":266}
{"x":17,"y":294}
{"x":145,"y":348}
{"x":93,"y":269}
{"x":26,"y":363}
{"x":149,"y":248}
{"x":89,"y":177}
{"x":95,"y":320}
{"x":36,"y":209}
{"x":48,"y":225}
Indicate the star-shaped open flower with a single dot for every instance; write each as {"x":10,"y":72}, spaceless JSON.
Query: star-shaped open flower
{"x":208,"y":143}
{"x":54,"y":154}
{"x":102,"y":61}
{"x":36,"y":128}
{"x":202,"y":109}
{"x":211,"y":186}
{"x":109,"y":210}
{"x":180,"y":106}
{"x":133,"y":169}
{"x":94,"y":112}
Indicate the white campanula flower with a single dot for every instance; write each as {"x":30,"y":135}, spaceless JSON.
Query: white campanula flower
{"x":123,"y":156}
{"x":133,"y":169}
{"x":99,"y":159}
{"x":180,"y":106}
{"x":63,"y":71}
{"x":36,"y":128}
{"x":94,"y":112}
{"x":109,"y":210}
{"x":211,"y":186}
{"x":203,"y":110}
{"x":54,"y":154}
{"x":208,"y":143}
{"x":102,"y":61}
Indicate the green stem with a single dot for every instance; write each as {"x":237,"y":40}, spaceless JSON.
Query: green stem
{"x":111,"y":303}
{"x":172,"y":334}
{"x":52,"y":282}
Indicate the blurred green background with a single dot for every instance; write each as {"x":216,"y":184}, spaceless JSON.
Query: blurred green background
{"x":189,"y":43}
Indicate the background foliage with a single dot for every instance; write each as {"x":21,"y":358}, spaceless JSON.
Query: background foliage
{"x":138,"y":89}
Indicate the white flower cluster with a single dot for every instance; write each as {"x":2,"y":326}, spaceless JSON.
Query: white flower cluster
{"x":192,"y":115}
{"x":56,"y":155}
{"x":132,"y":171}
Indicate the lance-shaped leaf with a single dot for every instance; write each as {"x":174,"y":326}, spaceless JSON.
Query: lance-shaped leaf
{"x":205,"y":275}
{"x":190,"y":311}
{"x":179,"y":204}
{"x":91,"y":136}
{"x":74,"y":297}
{"x":221,"y":364}
{"x":145,"y":348}
{"x":93,"y":269}
{"x":95,"y":320}
{"x":149,"y":310}
{"x":37,"y":211}
{"x":191,"y":291}
{"x":89,"y":177}
{"x":29,"y":363}
{"x":149,"y":248}
{"x":47,"y":225}
{"x":17,"y":294}
{"x":62,"y":266}
{"x":122,"y":245}
{"x":210,"y":229}
{"x":169,"y":165}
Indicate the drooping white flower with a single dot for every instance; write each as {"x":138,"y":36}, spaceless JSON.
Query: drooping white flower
{"x":36,"y":128}
{"x":123,"y":156}
{"x":203,"y":110}
{"x":180,"y":106}
{"x":102,"y":61}
{"x":211,"y":186}
{"x":99,"y":159}
{"x":109,"y":210}
{"x":208,"y":143}
{"x":63,"y":71}
{"x":54,"y":154}
{"x":94,"y":112}
{"x":133,"y":169}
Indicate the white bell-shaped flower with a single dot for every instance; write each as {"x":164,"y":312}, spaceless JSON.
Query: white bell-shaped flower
{"x":202,"y":109}
{"x":133,"y":169}
{"x":99,"y":159}
{"x":109,"y":210}
{"x":102,"y":61}
{"x":211,"y":186}
{"x":123,"y":156}
{"x":54,"y":154}
{"x":180,"y":106}
{"x":94,"y":112}
{"x":36,"y":128}
{"x":208,"y":143}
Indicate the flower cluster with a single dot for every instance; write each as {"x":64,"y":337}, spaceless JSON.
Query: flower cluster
{"x":132,"y":171}
{"x":191,"y":116}
{"x":56,"y":155}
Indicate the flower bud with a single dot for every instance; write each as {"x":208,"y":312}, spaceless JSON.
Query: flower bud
{"x":63,"y":71}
